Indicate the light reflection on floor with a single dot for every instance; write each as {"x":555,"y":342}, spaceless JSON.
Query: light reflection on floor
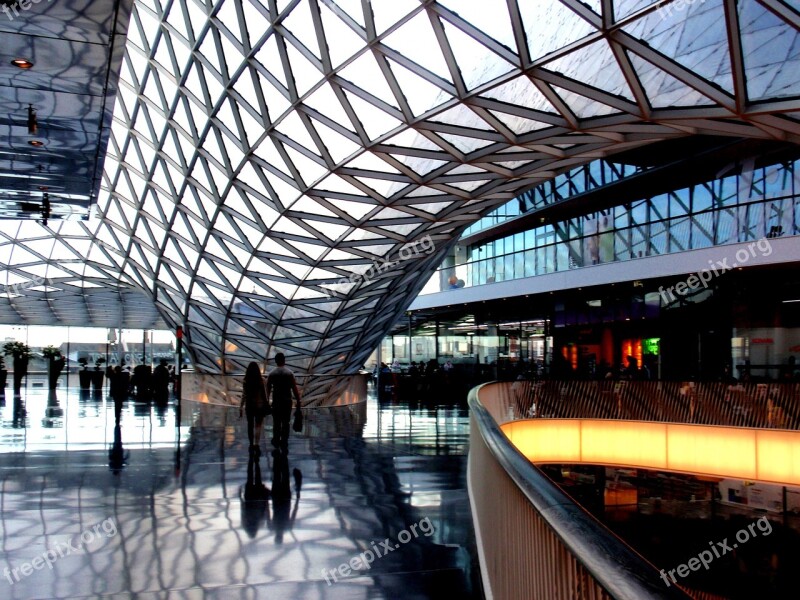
{"x":189,"y":515}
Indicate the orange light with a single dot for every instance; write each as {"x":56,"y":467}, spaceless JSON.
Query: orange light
{"x":22,"y":63}
{"x":36,"y":143}
{"x":767,"y":455}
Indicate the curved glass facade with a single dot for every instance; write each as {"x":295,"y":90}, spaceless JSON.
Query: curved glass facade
{"x":576,"y":181}
{"x":758,"y":203}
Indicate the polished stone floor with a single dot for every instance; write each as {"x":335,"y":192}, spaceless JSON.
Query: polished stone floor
{"x":150,"y":510}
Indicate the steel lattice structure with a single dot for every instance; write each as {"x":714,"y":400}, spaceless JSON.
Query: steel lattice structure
{"x":262,"y":150}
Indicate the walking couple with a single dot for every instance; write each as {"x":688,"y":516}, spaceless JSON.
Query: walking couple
{"x":255,"y":405}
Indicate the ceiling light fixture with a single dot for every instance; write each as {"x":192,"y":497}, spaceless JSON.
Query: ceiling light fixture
{"x":22,"y":63}
{"x":33,"y":123}
{"x":36,"y":143}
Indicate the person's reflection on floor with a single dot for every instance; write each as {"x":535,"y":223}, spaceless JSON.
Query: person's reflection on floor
{"x":161,"y":404}
{"x":117,"y":457}
{"x":283,"y":516}
{"x":19,"y":414}
{"x":254,"y":495}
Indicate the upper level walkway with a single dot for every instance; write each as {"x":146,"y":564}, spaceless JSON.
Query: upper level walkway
{"x":713,"y":261}
{"x":152,"y":510}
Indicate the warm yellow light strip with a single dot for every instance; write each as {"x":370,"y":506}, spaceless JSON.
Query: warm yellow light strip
{"x":727,"y":452}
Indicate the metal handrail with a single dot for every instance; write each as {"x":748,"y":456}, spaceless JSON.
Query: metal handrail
{"x":612,"y":564}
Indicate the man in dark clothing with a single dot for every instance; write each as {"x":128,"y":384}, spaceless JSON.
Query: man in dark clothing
{"x":161,"y":380}
{"x":281,"y":385}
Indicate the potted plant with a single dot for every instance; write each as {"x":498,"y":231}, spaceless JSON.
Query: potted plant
{"x":21,"y":354}
{"x":55,"y":364}
{"x":84,"y":376}
{"x":97,"y":374}
{"x":3,"y":375}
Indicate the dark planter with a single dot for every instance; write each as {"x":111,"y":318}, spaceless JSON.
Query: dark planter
{"x":20,"y":371}
{"x":84,"y":379}
{"x":97,"y":380}
{"x":54,"y":369}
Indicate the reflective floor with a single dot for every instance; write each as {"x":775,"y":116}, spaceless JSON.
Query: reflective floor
{"x":369,"y":503}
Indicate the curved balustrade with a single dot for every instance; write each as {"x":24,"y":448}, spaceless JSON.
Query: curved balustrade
{"x":533,"y":540}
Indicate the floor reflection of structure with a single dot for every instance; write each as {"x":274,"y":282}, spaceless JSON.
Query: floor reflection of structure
{"x":189,"y":517}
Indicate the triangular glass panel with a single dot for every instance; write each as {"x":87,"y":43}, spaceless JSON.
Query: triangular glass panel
{"x":478,"y":64}
{"x":227,"y":15}
{"x":305,"y":73}
{"x":255,"y":21}
{"x":342,"y":41}
{"x":416,"y":41}
{"x":521,"y":91}
{"x":420,"y":94}
{"x":664,"y":90}
{"x":550,"y":26}
{"x":594,"y":65}
{"x":582,"y":106}
{"x":495,"y":22}
{"x":685,"y":37}
{"x":387,"y":14}
{"x":375,"y":121}
{"x":366,"y":74}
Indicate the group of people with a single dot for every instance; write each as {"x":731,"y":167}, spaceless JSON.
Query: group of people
{"x":255,"y":405}
{"x":421,"y":379}
{"x":145,"y":382}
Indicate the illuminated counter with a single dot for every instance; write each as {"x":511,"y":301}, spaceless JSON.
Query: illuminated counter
{"x":767,"y":455}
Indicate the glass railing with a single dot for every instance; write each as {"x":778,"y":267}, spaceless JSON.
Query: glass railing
{"x":749,"y":222}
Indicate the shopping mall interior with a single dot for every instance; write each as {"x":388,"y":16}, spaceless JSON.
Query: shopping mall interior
{"x":533,"y":266}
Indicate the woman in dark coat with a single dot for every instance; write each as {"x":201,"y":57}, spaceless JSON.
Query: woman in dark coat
{"x":254,"y":405}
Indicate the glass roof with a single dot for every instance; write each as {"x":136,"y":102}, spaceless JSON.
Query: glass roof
{"x":268,"y":160}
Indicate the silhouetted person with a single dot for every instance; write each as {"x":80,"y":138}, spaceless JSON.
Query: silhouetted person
{"x":142,"y":379}
{"x":254,"y":495}
{"x":281,"y":385}
{"x":283,"y":516}
{"x":161,"y":380}
{"x":255,"y":405}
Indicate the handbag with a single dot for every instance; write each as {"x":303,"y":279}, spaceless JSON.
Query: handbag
{"x":298,"y":420}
